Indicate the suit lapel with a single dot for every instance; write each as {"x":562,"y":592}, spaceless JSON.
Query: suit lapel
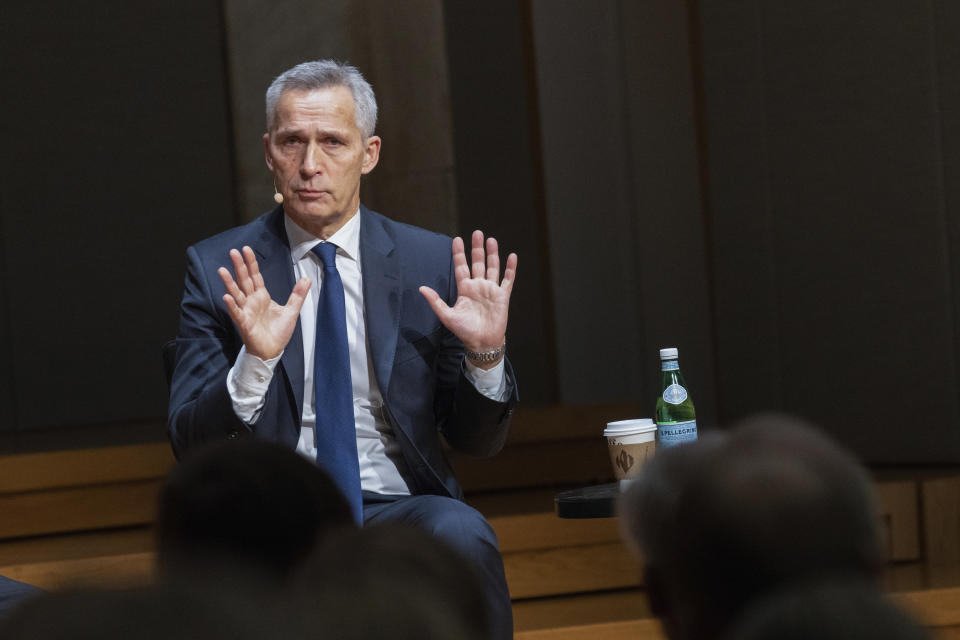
{"x":273,"y":256}
{"x":382,"y":294}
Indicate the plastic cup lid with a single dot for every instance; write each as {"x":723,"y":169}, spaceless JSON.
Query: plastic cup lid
{"x":629,"y":427}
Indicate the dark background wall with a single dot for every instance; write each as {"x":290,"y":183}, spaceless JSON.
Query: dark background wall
{"x":833,"y":168}
{"x":772,"y":187}
{"x":117,"y":154}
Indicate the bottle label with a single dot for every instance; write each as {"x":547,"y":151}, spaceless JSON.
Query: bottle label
{"x":674,"y":433}
{"x":674,"y":394}
{"x":669,"y":365}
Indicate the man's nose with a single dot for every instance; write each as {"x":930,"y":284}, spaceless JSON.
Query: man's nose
{"x":312,"y":160}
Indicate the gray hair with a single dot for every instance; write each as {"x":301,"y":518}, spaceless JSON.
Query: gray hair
{"x":321,"y":74}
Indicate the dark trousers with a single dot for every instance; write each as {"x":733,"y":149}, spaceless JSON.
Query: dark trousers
{"x":464,"y":530}
{"x":12,"y":592}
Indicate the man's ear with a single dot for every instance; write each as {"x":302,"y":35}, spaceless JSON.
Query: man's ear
{"x":371,"y":154}
{"x":266,"y":151}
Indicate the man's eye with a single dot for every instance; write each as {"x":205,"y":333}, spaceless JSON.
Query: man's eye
{"x":334,"y":142}
{"x":289,"y":142}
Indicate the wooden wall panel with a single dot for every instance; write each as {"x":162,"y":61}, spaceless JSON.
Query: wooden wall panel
{"x":498,"y":171}
{"x":591,"y":231}
{"x":118,"y":127}
{"x":744,"y":267}
{"x":834,"y":293}
{"x":8,"y":418}
{"x":628,"y":255}
{"x":945,"y":50}
{"x":671,"y":255}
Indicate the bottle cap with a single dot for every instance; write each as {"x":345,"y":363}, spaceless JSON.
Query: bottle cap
{"x":670,"y":353}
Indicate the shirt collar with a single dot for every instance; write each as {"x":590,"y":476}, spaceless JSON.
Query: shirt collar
{"x":347,"y":238}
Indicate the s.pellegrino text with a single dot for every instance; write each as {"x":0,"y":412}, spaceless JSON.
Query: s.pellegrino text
{"x":675,"y":415}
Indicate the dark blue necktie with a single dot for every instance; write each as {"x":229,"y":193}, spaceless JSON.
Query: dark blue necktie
{"x":335,"y":433}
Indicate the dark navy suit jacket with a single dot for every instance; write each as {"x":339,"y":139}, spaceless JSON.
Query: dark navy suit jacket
{"x":417,"y":362}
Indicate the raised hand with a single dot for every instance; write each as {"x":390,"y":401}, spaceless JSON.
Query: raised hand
{"x":264,"y":325}
{"x":479,"y":316}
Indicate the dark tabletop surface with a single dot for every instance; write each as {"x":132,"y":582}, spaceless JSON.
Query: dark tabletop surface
{"x":597,"y":501}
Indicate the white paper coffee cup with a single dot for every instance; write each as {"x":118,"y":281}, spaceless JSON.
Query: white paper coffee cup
{"x":630,"y":443}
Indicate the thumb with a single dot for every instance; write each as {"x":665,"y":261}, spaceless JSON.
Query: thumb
{"x":299,"y":293}
{"x":436,"y":302}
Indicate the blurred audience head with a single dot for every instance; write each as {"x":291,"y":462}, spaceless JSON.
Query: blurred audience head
{"x":247,"y":505}
{"x":853,"y":610}
{"x":151,"y":613}
{"x":648,"y":519}
{"x":392,"y":580}
{"x":721,"y":521}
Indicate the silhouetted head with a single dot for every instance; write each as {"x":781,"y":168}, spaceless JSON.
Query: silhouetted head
{"x":773,"y":503}
{"x":245,"y":505}
{"x":150,"y":613}
{"x":393,"y":581}
{"x":648,"y":518}
{"x":826,"y":611}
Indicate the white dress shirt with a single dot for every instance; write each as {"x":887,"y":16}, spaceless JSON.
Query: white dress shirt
{"x":382,"y":468}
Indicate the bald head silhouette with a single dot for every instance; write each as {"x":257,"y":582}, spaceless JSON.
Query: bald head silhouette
{"x":771,"y":503}
{"x":246,"y":505}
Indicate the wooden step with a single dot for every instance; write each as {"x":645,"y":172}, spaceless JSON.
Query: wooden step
{"x":76,"y":545}
{"x":648,"y":629}
{"x":124,"y":557}
{"x":118,"y":557}
{"x":543,"y":555}
{"x":80,"y":508}
{"x":66,"y":491}
{"x":48,"y":501}
{"x":580,"y":569}
{"x":580,"y":609}
{"x":116,"y":570}
{"x":84,"y":467}
{"x":937,"y":609}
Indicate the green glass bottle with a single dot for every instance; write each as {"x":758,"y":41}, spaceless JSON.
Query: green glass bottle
{"x":675,"y":415}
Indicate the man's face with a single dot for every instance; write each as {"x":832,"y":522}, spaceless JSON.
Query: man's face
{"x":317,"y":155}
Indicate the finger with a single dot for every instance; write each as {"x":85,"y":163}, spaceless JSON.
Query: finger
{"x":236,"y":314}
{"x":231,"y":286}
{"x":240,"y":269}
{"x":493,"y":261}
{"x":510,"y":273}
{"x":460,"y":269}
{"x":436,"y":303}
{"x":476,"y":254}
{"x":299,"y":294}
{"x":253,"y":267}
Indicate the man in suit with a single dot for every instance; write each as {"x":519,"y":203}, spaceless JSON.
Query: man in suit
{"x":347,"y":336}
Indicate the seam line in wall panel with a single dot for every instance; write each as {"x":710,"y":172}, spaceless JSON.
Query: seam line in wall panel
{"x":698,"y":86}
{"x":942,"y":202}
{"x":236,"y":197}
{"x":640,"y":337}
{"x":525,"y":8}
{"x":13,"y":411}
{"x":768,"y":216}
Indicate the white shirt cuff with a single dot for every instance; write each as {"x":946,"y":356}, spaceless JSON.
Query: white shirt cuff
{"x":247,"y":384}
{"x":491,"y":383}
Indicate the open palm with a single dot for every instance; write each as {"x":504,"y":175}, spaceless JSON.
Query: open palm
{"x":479,"y":315}
{"x":264,"y":325}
